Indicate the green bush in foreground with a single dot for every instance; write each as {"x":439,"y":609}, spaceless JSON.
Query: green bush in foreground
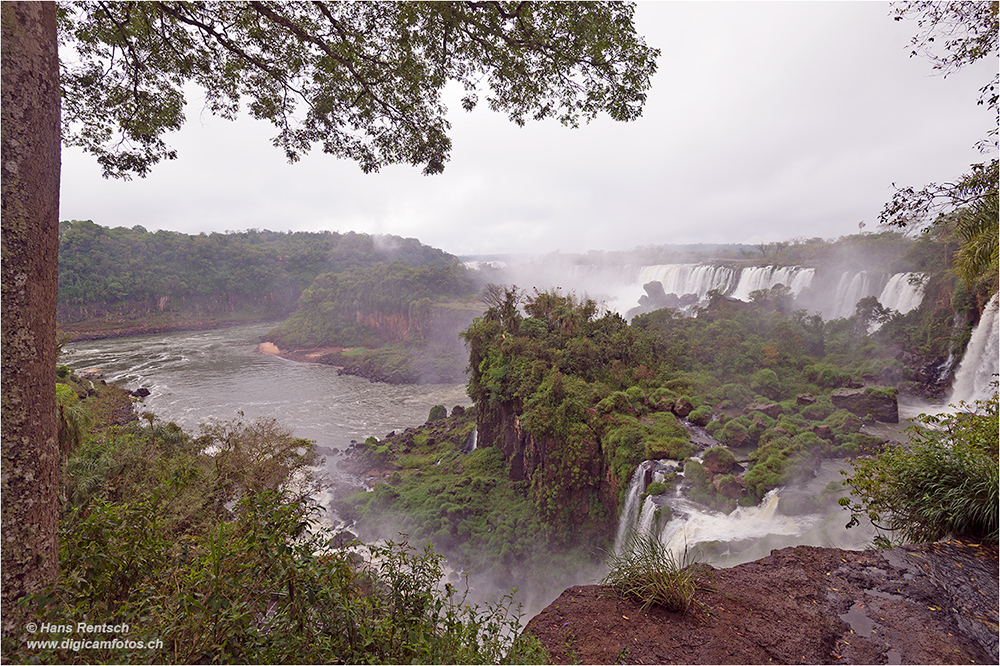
{"x":943,"y":481}
{"x":648,"y":572}
{"x":266,"y":586}
{"x":210,"y":550}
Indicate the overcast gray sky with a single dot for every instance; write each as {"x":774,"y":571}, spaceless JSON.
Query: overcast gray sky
{"x":766,"y":121}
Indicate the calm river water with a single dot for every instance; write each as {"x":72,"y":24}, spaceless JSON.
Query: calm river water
{"x":197,"y":377}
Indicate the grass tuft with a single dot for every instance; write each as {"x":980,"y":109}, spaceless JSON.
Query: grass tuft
{"x":646,"y":570}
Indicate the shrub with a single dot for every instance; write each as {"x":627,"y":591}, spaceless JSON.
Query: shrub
{"x":734,"y":433}
{"x":819,"y":410}
{"x":701,"y":416}
{"x":437,"y":413}
{"x":655,"y":488}
{"x":737,"y":394}
{"x":766,"y":383}
{"x":943,"y":481}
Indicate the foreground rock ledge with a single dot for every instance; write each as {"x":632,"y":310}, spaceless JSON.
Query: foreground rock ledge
{"x":930,"y":603}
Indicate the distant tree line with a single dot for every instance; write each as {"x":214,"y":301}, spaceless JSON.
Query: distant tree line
{"x":269,"y":269}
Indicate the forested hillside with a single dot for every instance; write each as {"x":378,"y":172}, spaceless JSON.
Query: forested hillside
{"x":380,"y":303}
{"x":388,"y":322}
{"x":123,"y":275}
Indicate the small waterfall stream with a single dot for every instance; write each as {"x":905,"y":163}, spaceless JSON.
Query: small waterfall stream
{"x":470,"y":443}
{"x":979,"y":366}
{"x":630,"y":509}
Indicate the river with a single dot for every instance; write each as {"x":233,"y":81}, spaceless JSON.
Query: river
{"x":203,"y":376}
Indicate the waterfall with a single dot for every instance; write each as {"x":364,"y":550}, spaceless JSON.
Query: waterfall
{"x":754,"y":279}
{"x":851,"y":288}
{"x":470,"y":442}
{"x":699,"y":279}
{"x":743,"y":524}
{"x":681,"y":279}
{"x":747,"y":533}
{"x":630,"y":510}
{"x":978,"y":368}
{"x":903,"y":292}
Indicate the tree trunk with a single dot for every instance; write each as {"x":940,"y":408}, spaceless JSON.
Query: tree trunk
{"x":30,"y":245}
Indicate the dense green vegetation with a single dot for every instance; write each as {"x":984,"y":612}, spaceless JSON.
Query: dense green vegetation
{"x":585,"y":379}
{"x":123,"y":270}
{"x":209,"y":549}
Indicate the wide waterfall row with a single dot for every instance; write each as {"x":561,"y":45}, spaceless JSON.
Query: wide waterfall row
{"x":978,"y":369}
{"x":902,"y":292}
{"x":699,"y":279}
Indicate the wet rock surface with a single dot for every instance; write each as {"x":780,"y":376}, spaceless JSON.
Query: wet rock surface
{"x":922,"y":604}
{"x":868,"y":403}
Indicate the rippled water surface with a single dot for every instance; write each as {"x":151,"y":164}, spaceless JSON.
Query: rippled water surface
{"x":196,"y":377}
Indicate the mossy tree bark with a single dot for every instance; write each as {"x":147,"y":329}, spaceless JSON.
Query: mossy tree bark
{"x":30,"y":246}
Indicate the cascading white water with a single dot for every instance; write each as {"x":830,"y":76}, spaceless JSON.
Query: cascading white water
{"x":470,"y":442}
{"x":630,"y":509}
{"x":681,"y":279}
{"x":978,"y":368}
{"x":754,"y":279}
{"x":852,"y":287}
{"x":743,"y":524}
{"x":746,"y":533}
{"x":903,"y":292}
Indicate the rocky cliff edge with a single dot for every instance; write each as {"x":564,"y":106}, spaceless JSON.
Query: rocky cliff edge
{"x":932,"y":603}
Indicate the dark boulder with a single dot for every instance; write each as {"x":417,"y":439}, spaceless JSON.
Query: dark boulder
{"x":823,"y":431}
{"x":718,"y":460}
{"x":730,"y":486}
{"x":682,"y":407}
{"x":871,"y":403}
{"x":771,"y":409}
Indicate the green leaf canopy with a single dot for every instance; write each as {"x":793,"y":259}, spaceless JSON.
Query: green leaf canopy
{"x":364,"y":80}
